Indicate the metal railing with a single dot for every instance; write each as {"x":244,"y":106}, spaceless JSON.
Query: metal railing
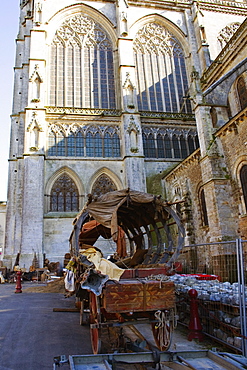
{"x":225,"y":304}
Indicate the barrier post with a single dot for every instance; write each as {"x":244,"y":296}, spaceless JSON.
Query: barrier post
{"x":18,"y":282}
{"x":195,"y":327}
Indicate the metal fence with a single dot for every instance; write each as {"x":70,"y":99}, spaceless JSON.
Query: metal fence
{"x":222,"y":301}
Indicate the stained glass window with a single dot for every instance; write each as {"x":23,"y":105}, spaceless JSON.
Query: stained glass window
{"x":81,"y":65}
{"x":79,"y":145}
{"x":160,"y":70}
{"x":243,"y":179}
{"x":103,"y":185}
{"x":203,"y":208}
{"x":242,"y":92}
{"x":158,"y":143}
{"x":64,"y":195}
{"x":92,"y":142}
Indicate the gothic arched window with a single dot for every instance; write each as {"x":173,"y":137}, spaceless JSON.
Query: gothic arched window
{"x":242,"y":92}
{"x":61,"y":145}
{"x":115,"y":145}
{"x":103,"y":185}
{"x":64,"y":195}
{"x":94,"y":147}
{"x":52,"y":144}
{"x":81,"y":59}
{"x":243,"y":179}
{"x":93,"y":142}
{"x":183,"y":146}
{"x":79,"y":144}
{"x":203,"y":208}
{"x":191,"y":144}
{"x":71,"y":145}
{"x":149,"y":145}
{"x":160,"y":146}
{"x":175,"y":144}
{"x":168,"y":147}
{"x":89,"y":145}
{"x":160,"y":68}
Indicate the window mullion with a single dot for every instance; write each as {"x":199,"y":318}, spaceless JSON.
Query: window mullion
{"x":99,"y":79}
{"x":65,"y":85}
{"x":138,"y":79}
{"x":154,"y":76}
{"x":160,"y":68}
{"x":57,"y":74}
{"x":83,"y":77}
{"x":146,"y":79}
{"x":107,"y":79}
{"x":166,"y":57}
{"x":74,"y":76}
{"x":91,"y":60}
{"x":175,"y":82}
{"x":182,"y":83}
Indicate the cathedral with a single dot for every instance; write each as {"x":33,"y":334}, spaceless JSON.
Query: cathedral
{"x":149,"y":95}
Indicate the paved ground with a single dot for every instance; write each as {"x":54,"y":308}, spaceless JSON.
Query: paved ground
{"x":31,"y":334}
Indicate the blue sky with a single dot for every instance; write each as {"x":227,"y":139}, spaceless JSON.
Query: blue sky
{"x":9,"y":24}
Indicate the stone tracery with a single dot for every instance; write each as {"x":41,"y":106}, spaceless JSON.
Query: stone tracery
{"x":82,"y":65}
{"x":160,"y":70}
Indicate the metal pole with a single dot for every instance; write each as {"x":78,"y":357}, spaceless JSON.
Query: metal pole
{"x":241,"y":290}
{"x":243,"y":298}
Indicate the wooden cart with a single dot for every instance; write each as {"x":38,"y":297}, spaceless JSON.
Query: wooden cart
{"x":144,"y":293}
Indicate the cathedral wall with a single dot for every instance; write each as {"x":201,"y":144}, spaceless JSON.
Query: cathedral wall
{"x":183,"y":183}
{"x":2,"y":227}
{"x":87,"y":171}
{"x":56,"y":237}
{"x":233,"y":140}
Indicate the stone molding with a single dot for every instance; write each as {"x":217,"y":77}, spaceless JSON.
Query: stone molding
{"x":169,"y":115}
{"x":233,"y":123}
{"x":194,"y":157}
{"x":223,"y":6}
{"x":84,"y":111}
{"x":227,"y":53}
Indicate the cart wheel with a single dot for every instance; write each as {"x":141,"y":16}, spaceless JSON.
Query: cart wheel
{"x":94,"y":318}
{"x":162,"y":331}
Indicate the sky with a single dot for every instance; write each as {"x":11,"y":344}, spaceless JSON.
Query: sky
{"x":9,"y":24}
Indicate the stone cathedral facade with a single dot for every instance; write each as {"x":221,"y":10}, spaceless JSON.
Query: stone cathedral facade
{"x":116,"y":94}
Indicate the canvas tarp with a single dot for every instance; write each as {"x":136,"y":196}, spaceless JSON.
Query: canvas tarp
{"x":104,"y":209}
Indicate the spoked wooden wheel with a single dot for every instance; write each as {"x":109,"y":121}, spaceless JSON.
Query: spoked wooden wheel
{"x":94,"y":319}
{"x":162,"y":331}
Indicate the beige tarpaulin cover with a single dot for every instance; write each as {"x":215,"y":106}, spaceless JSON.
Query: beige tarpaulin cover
{"x":105,"y":209}
{"x":103,"y":265}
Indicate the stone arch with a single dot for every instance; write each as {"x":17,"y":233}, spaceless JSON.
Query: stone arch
{"x":158,"y":46}
{"x":238,"y":166}
{"x":55,"y":176}
{"x":165,"y":22}
{"x":117,"y":184}
{"x":233,"y":95}
{"x":69,"y":11}
{"x":201,"y":198}
{"x":75,"y":35}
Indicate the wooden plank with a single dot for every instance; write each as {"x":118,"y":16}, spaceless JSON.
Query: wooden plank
{"x":223,"y":361}
{"x":66,"y":310}
{"x":138,"y":295}
{"x":125,"y":296}
{"x":159,"y":295}
{"x":206,"y":364}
